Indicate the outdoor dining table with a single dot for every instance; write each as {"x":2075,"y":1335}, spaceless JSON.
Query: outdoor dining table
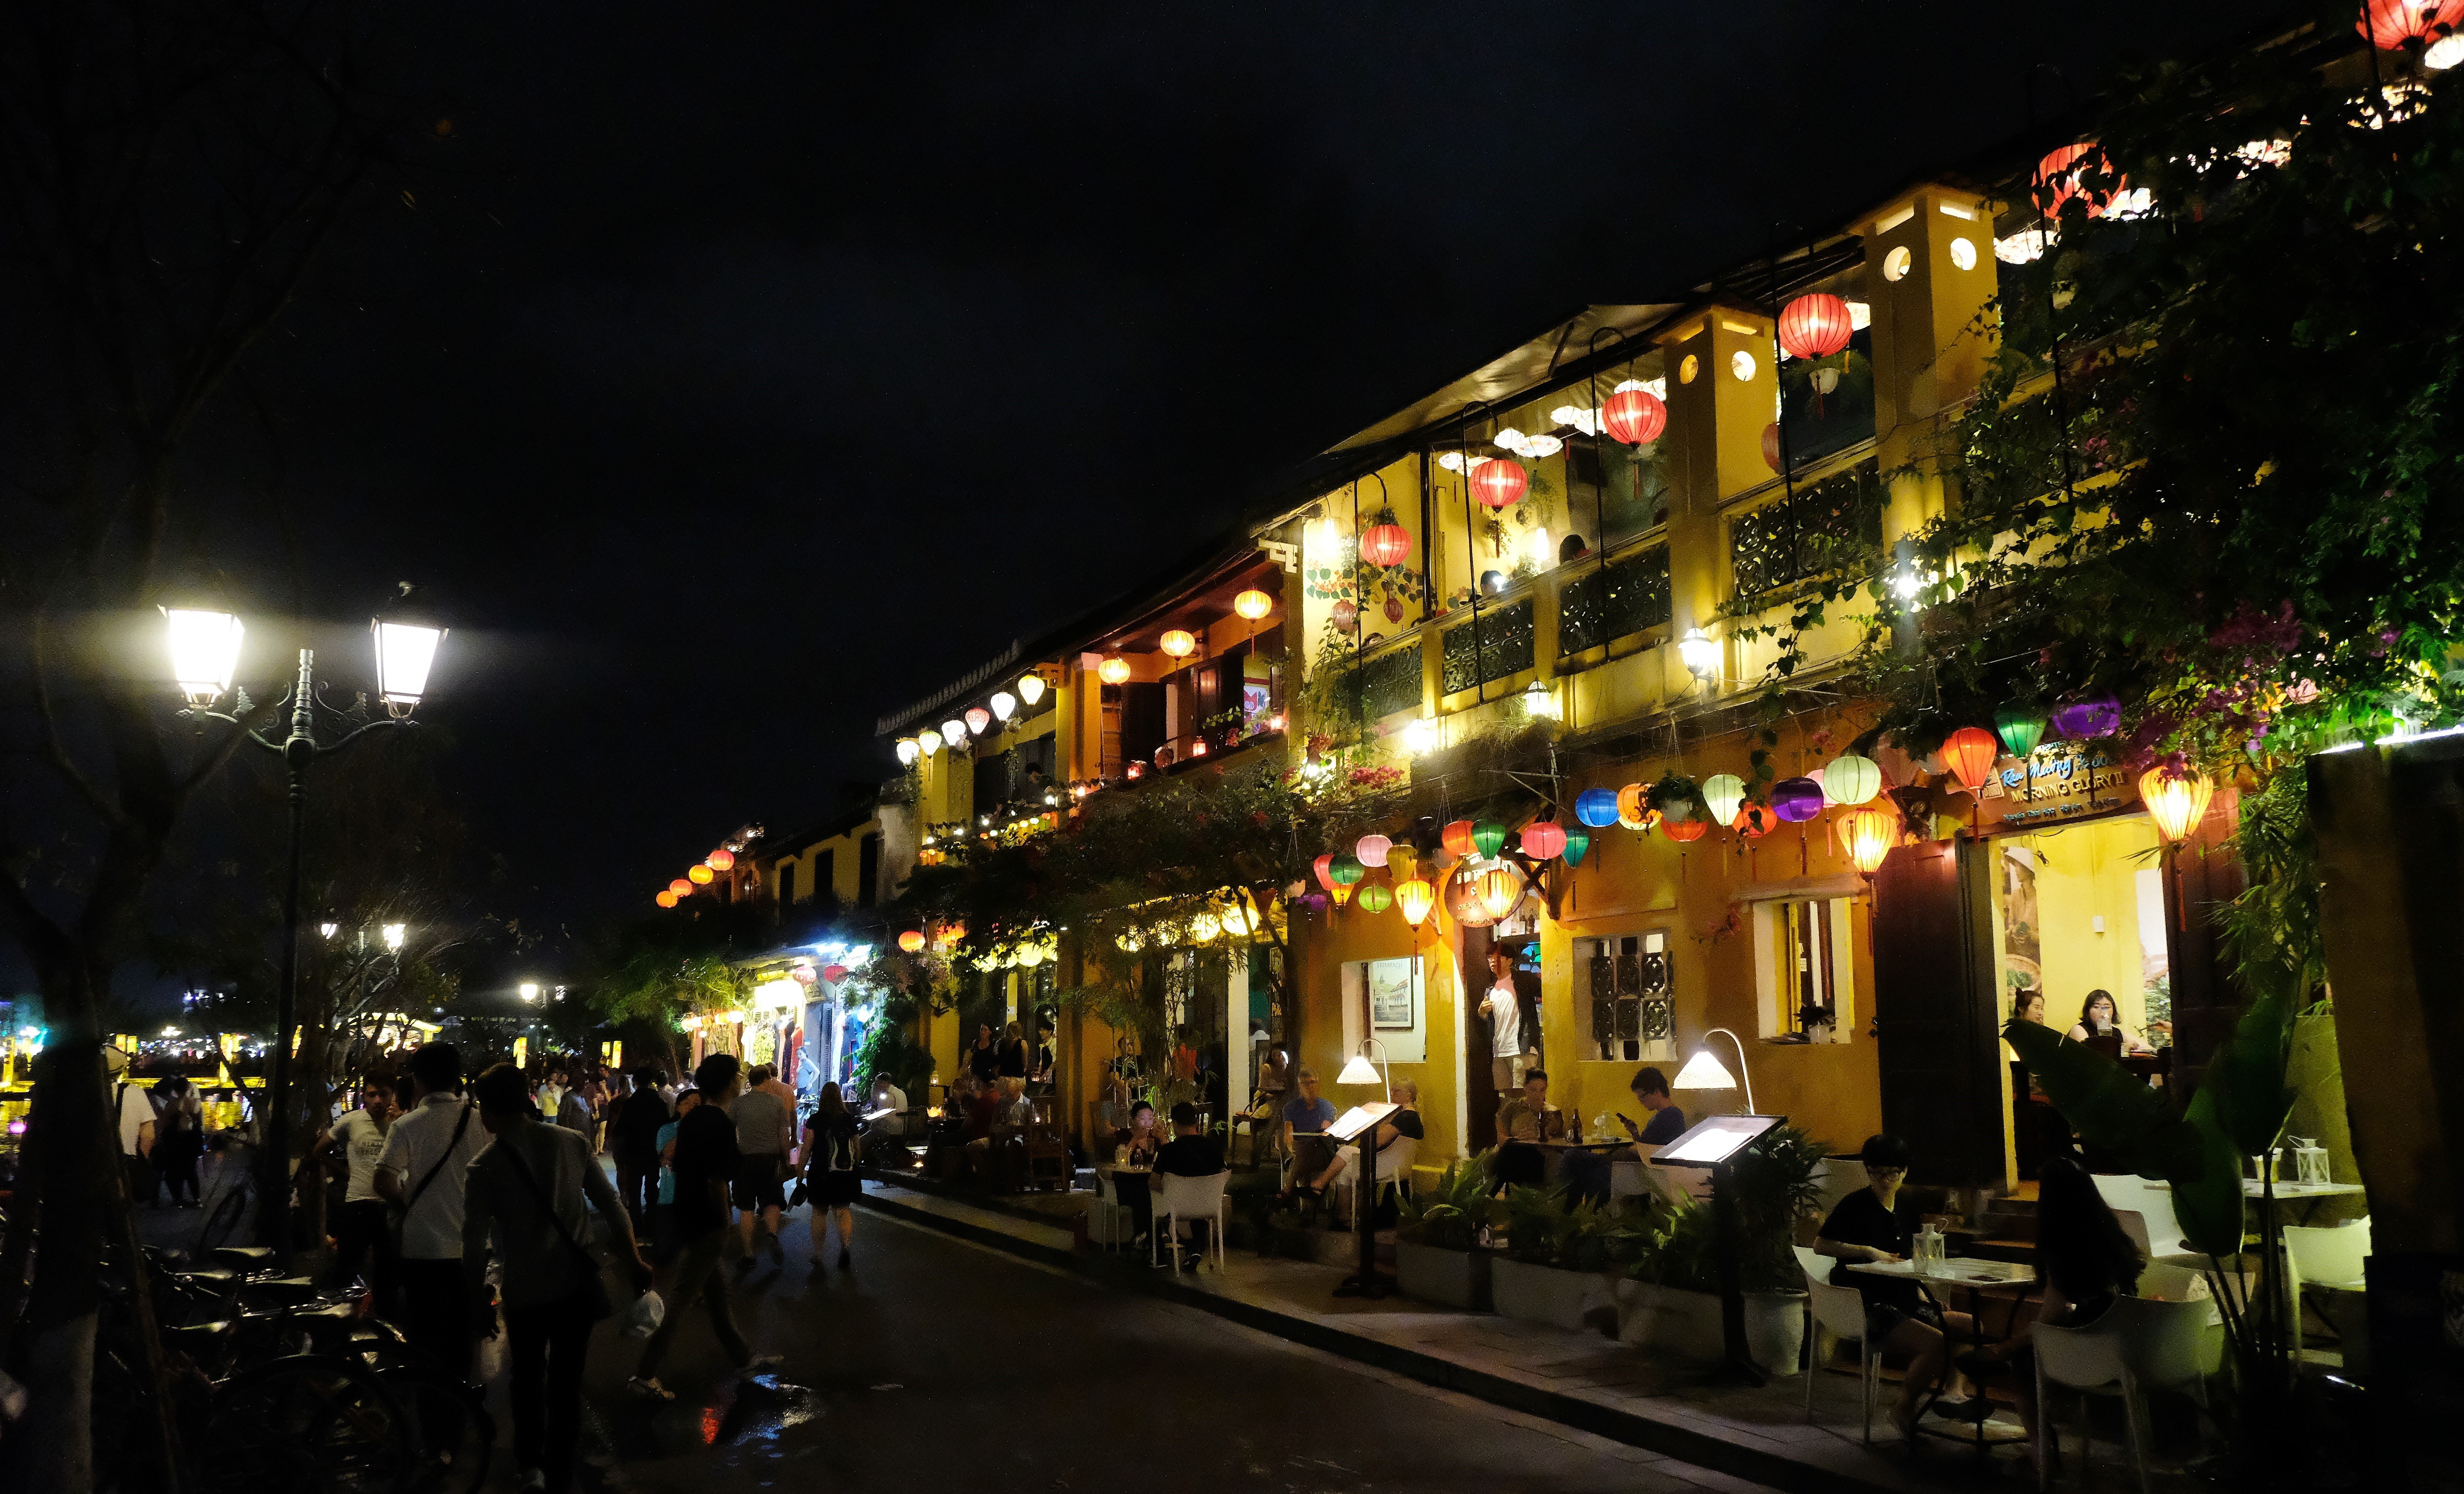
{"x":2308,"y":1195}
{"x":1974,"y":1277}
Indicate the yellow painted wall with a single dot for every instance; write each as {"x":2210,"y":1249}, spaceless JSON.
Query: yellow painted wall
{"x":2085,"y":871}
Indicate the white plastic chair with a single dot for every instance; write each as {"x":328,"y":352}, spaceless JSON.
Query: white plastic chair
{"x":2162,"y":1232}
{"x":1109,"y":1223}
{"x":1394,"y":1172}
{"x":1177,"y":1199}
{"x":2137,"y":1346}
{"x":1840,"y":1312}
{"x":2329,"y":1256}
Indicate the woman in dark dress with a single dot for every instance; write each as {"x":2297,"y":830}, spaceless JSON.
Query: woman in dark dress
{"x":2086,"y":1262}
{"x":1013,"y":1053}
{"x":830,"y":1175}
{"x":1871,"y":1224}
{"x":984,"y":1058}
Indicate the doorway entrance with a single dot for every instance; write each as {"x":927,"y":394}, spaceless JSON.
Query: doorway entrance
{"x":1521,"y":951}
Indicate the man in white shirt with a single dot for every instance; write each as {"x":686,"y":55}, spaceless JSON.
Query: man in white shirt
{"x":1504,"y":1009}
{"x":358,"y":1141}
{"x":134,"y":1110}
{"x":427,"y":1158}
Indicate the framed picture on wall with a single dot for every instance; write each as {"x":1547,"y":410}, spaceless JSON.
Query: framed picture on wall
{"x":1394,"y":994}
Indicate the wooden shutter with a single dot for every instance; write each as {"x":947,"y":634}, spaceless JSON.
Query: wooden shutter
{"x":1935,"y":1021}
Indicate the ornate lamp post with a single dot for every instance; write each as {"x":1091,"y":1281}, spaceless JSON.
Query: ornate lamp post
{"x":205,"y":657}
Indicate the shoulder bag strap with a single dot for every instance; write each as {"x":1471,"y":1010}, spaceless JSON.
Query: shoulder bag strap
{"x":540,"y":1196}
{"x":459,"y":1126}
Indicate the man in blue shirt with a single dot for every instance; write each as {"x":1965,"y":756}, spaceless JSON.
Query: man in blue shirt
{"x":1305,"y":1118}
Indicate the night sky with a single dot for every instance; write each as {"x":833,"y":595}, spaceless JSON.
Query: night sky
{"x":757,"y":368}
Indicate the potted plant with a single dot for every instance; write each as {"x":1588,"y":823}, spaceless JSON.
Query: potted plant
{"x":1675,"y":1300}
{"x":1437,"y":1257}
{"x":1527,"y":1280}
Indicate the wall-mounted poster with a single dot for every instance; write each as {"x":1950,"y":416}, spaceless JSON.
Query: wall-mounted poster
{"x":1393,"y":993}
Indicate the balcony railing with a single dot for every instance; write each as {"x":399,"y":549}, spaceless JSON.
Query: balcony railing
{"x":1492,"y":643}
{"x":1623,"y":597}
{"x":1828,"y":526}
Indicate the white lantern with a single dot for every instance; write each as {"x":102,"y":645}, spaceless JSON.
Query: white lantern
{"x":1005,"y":704}
{"x":954,"y":732}
{"x":1031,"y":688}
{"x":1698,"y":653}
{"x":205,"y":652}
{"x":927,"y":742}
{"x":908,"y":748}
{"x":404,"y":653}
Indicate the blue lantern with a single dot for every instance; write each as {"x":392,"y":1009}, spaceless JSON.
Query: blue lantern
{"x":1596,"y":807}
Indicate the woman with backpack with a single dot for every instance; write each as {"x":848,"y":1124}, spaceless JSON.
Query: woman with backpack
{"x":829,"y":1173}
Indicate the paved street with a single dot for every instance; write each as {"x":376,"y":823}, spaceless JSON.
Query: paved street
{"x":942,"y":1363}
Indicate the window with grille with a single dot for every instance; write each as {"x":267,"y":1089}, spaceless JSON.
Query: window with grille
{"x":1832,"y":525}
{"x":1494,"y":644}
{"x":1623,"y":597}
{"x":1633,"y":996}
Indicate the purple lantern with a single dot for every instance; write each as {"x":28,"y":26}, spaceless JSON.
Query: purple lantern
{"x":2087,"y":719}
{"x":1795,"y":799}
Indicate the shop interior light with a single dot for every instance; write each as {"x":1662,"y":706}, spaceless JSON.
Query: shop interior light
{"x":393,"y":936}
{"x":205,"y":652}
{"x":1031,"y":688}
{"x":1359,"y":1070}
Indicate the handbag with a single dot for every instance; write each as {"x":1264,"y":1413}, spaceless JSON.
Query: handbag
{"x":594,"y":1291}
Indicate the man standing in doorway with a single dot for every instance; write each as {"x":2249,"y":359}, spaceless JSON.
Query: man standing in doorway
{"x":1512,"y":1044}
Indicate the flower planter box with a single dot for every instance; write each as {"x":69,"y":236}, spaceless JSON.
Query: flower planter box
{"x":1544,"y":1294}
{"x":1433,"y":1273}
{"x":1687,"y":1323}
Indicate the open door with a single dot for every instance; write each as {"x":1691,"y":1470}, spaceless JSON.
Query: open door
{"x":1935,"y":1017}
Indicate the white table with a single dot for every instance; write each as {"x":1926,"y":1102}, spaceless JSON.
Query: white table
{"x":2253,"y":1188}
{"x":1973,"y":1275}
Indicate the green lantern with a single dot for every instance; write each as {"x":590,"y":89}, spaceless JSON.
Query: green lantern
{"x":2021,"y":728}
{"x":1376,"y":897}
{"x":1489,"y":836}
{"x":1578,"y":845}
{"x":1347,"y":868}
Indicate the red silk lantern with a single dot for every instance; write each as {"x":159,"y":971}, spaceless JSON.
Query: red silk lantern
{"x":1685,"y":830}
{"x":1544,"y":840}
{"x":1345,"y":615}
{"x":1324,"y":868}
{"x":1457,"y":839}
{"x":834,"y":974}
{"x":681,"y":888}
{"x":1500,"y":482}
{"x":912,"y":940}
{"x":2058,"y":175}
{"x":1386,"y":544}
{"x":1636,"y":416}
{"x":1969,"y":753}
{"x":1817,"y":325}
{"x":2392,"y":24}
{"x":719,"y":860}
{"x":1770,"y":446}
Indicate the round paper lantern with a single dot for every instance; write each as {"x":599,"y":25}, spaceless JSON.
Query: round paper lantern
{"x":1112,"y":671}
{"x":1633,"y":811}
{"x":1345,"y":615}
{"x":1457,"y":838}
{"x":1385,"y":544}
{"x":2020,"y":727}
{"x":1544,"y":840}
{"x":1721,"y":793}
{"x":1770,"y":446}
{"x":1324,"y":868}
{"x":1177,"y":642}
{"x":1683,"y":831}
{"x":719,"y":860}
{"x":1851,"y":779}
{"x":1969,"y":753}
{"x":2176,"y":801}
{"x":1500,"y":482}
{"x":1415,"y":898}
{"x":2393,"y":24}
{"x":2058,"y":175}
{"x":700,"y":876}
{"x":665,"y":898}
{"x":1501,"y":889}
{"x":927,"y":742}
{"x":1753,"y":822}
{"x":681,"y":888}
{"x":1376,"y":897}
{"x":834,"y":974}
{"x":1462,"y":900}
{"x":978,"y":718}
{"x":1341,"y":892}
{"x":1578,"y":845}
{"x":1815,"y":325}
{"x":1488,"y":836}
{"x":1868,"y":835}
{"x":1253,"y":604}
{"x":1372,"y":850}
{"x":1796,"y":800}
{"x":1596,"y":807}
{"x":1346,"y":870}
{"x":912,"y":940}
{"x":1633,"y":416}
{"x":2088,"y":718}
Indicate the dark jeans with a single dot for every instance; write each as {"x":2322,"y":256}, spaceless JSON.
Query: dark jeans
{"x":698,"y":1274}
{"x":177,"y":1157}
{"x":360,"y":1231}
{"x":144,"y":1177}
{"x":547,"y":1346}
{"x":637,"y":1183}
{"x":1131,"y":1189}
{"x":436,"y":1314}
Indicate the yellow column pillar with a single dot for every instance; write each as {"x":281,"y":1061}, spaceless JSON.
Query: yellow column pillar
{"x":1723,"y":397}
{"x":1929,"y":270}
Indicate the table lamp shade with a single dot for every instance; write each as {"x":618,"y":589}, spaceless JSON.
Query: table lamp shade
{"x":1359,"y":1072}
{"x":1703,"y":1071}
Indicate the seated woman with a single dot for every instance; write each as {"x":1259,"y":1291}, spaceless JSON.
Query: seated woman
{"x":1871,"y":1224}
{"x":1130,"y":1189}
{"x":1404,"y":1122}
{"x":2084,"y":1260}
{"x":2096,"y":1018}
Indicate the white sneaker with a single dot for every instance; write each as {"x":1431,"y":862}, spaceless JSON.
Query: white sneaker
{"x":648,"y":1388}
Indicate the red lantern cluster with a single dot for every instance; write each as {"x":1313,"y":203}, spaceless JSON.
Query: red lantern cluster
{"x":1386,"y":544}
{"x":2058,"y":175}
{"x":1818,"y":325}
{"x":1499,"y":483}
{"x":1636,"y":417}
{"x":2393,"y":24}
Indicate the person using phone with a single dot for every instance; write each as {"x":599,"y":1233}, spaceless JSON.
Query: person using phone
{"x":1667,"y":1122}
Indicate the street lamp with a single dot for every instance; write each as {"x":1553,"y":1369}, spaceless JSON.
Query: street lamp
{"x":1699,"y":653}
{"x":530,"y":990}
{"x":205,"y":659}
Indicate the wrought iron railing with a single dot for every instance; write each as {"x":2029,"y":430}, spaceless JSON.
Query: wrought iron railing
{"x":1494,"y":643}
{"x":1625,"y":596}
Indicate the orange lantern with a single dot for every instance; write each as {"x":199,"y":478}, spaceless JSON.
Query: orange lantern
{"x":1969,"y":753}
{"x":1868,"y":835}
{"x":681,"y":888}
{"x":912,"y":940}
{"x":1683,"y":831}
{"x":2176,"y":801}
{"x":700,"y":876}
{"x":665,"y":898}
{"x":2059,"y":173}
{"x":1632,"y":812}
{"x":719,"y":860}
{"x":1178,"y":643}
{"x":1112,"y":671}
{"x":1253,"y":604}
{"x":1501,"y":889}
{"x":1464,"y":902}
{"x":950,"y":934}
{"x":1341,"y":892}
{"x":1457,"y":839}
{"x":1753,"y":822}
{"x":1414,"y":899}
{"x":1385,"y":544}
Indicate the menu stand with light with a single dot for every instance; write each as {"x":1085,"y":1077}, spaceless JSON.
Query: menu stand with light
{"x":1704,"y":1072}
{"x":205,"y":657}
{"x":1357,"y":1070}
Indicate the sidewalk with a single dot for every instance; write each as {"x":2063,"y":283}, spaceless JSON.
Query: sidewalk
{"x":1674,"y":1408}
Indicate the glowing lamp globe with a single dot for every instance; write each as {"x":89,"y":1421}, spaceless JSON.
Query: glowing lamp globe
{"x":1969,"y":753}
{"x":1415,"y":898}
{"x":2176,"y":801}
{"x":1114,"y":671}
{"x":1488,"y":836}
{"x":1346,"y":870}
{"x":1323,"y":869}
{"x":1372,"y":850}
{"x":912,"y":940}
{"x":927,"y":742}
{"x":1177,"y":642}
{"x":719,"y":860}
{"x":1578,"y":845}
{"x":2020,"y":727}
{"x":1634,"y":808}
{"x":1814,"y":326}
{"x":1721,"y":793}
{"x":1376,"y":897}
{"x":1596,"y":807}
{"x":1031,"y":688}
{"x":1851,"y":779}
{"x":665,"y":898}
{"x":978,"y":718}
{"x":1385,"y":544}
{"x":1544,"y":840}
{"x":700,"y":876}
{"x":1457,"y":838}
{"x":1683,"y":831}
{"x":1253,"y":604}
{"x":1868,"y":835}
{"x":1005,"y":704}
{"x":954,"y":732}
{"x":907,"y":749}
{"x":681,"y":888}
{"x":1500,"y":482}
{"x":1464,"y":903}
{"x":1796,"y":800}
{"x":205,"y":652}
{"x":1501,"y":889}
{"x":1633,"y":416}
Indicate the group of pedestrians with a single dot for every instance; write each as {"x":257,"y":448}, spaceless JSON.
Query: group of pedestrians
{"x":161,"y":1133}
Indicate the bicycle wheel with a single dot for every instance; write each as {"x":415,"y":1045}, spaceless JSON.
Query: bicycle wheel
{"x":454,"y":1436}
{"x":307,"y":1424}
